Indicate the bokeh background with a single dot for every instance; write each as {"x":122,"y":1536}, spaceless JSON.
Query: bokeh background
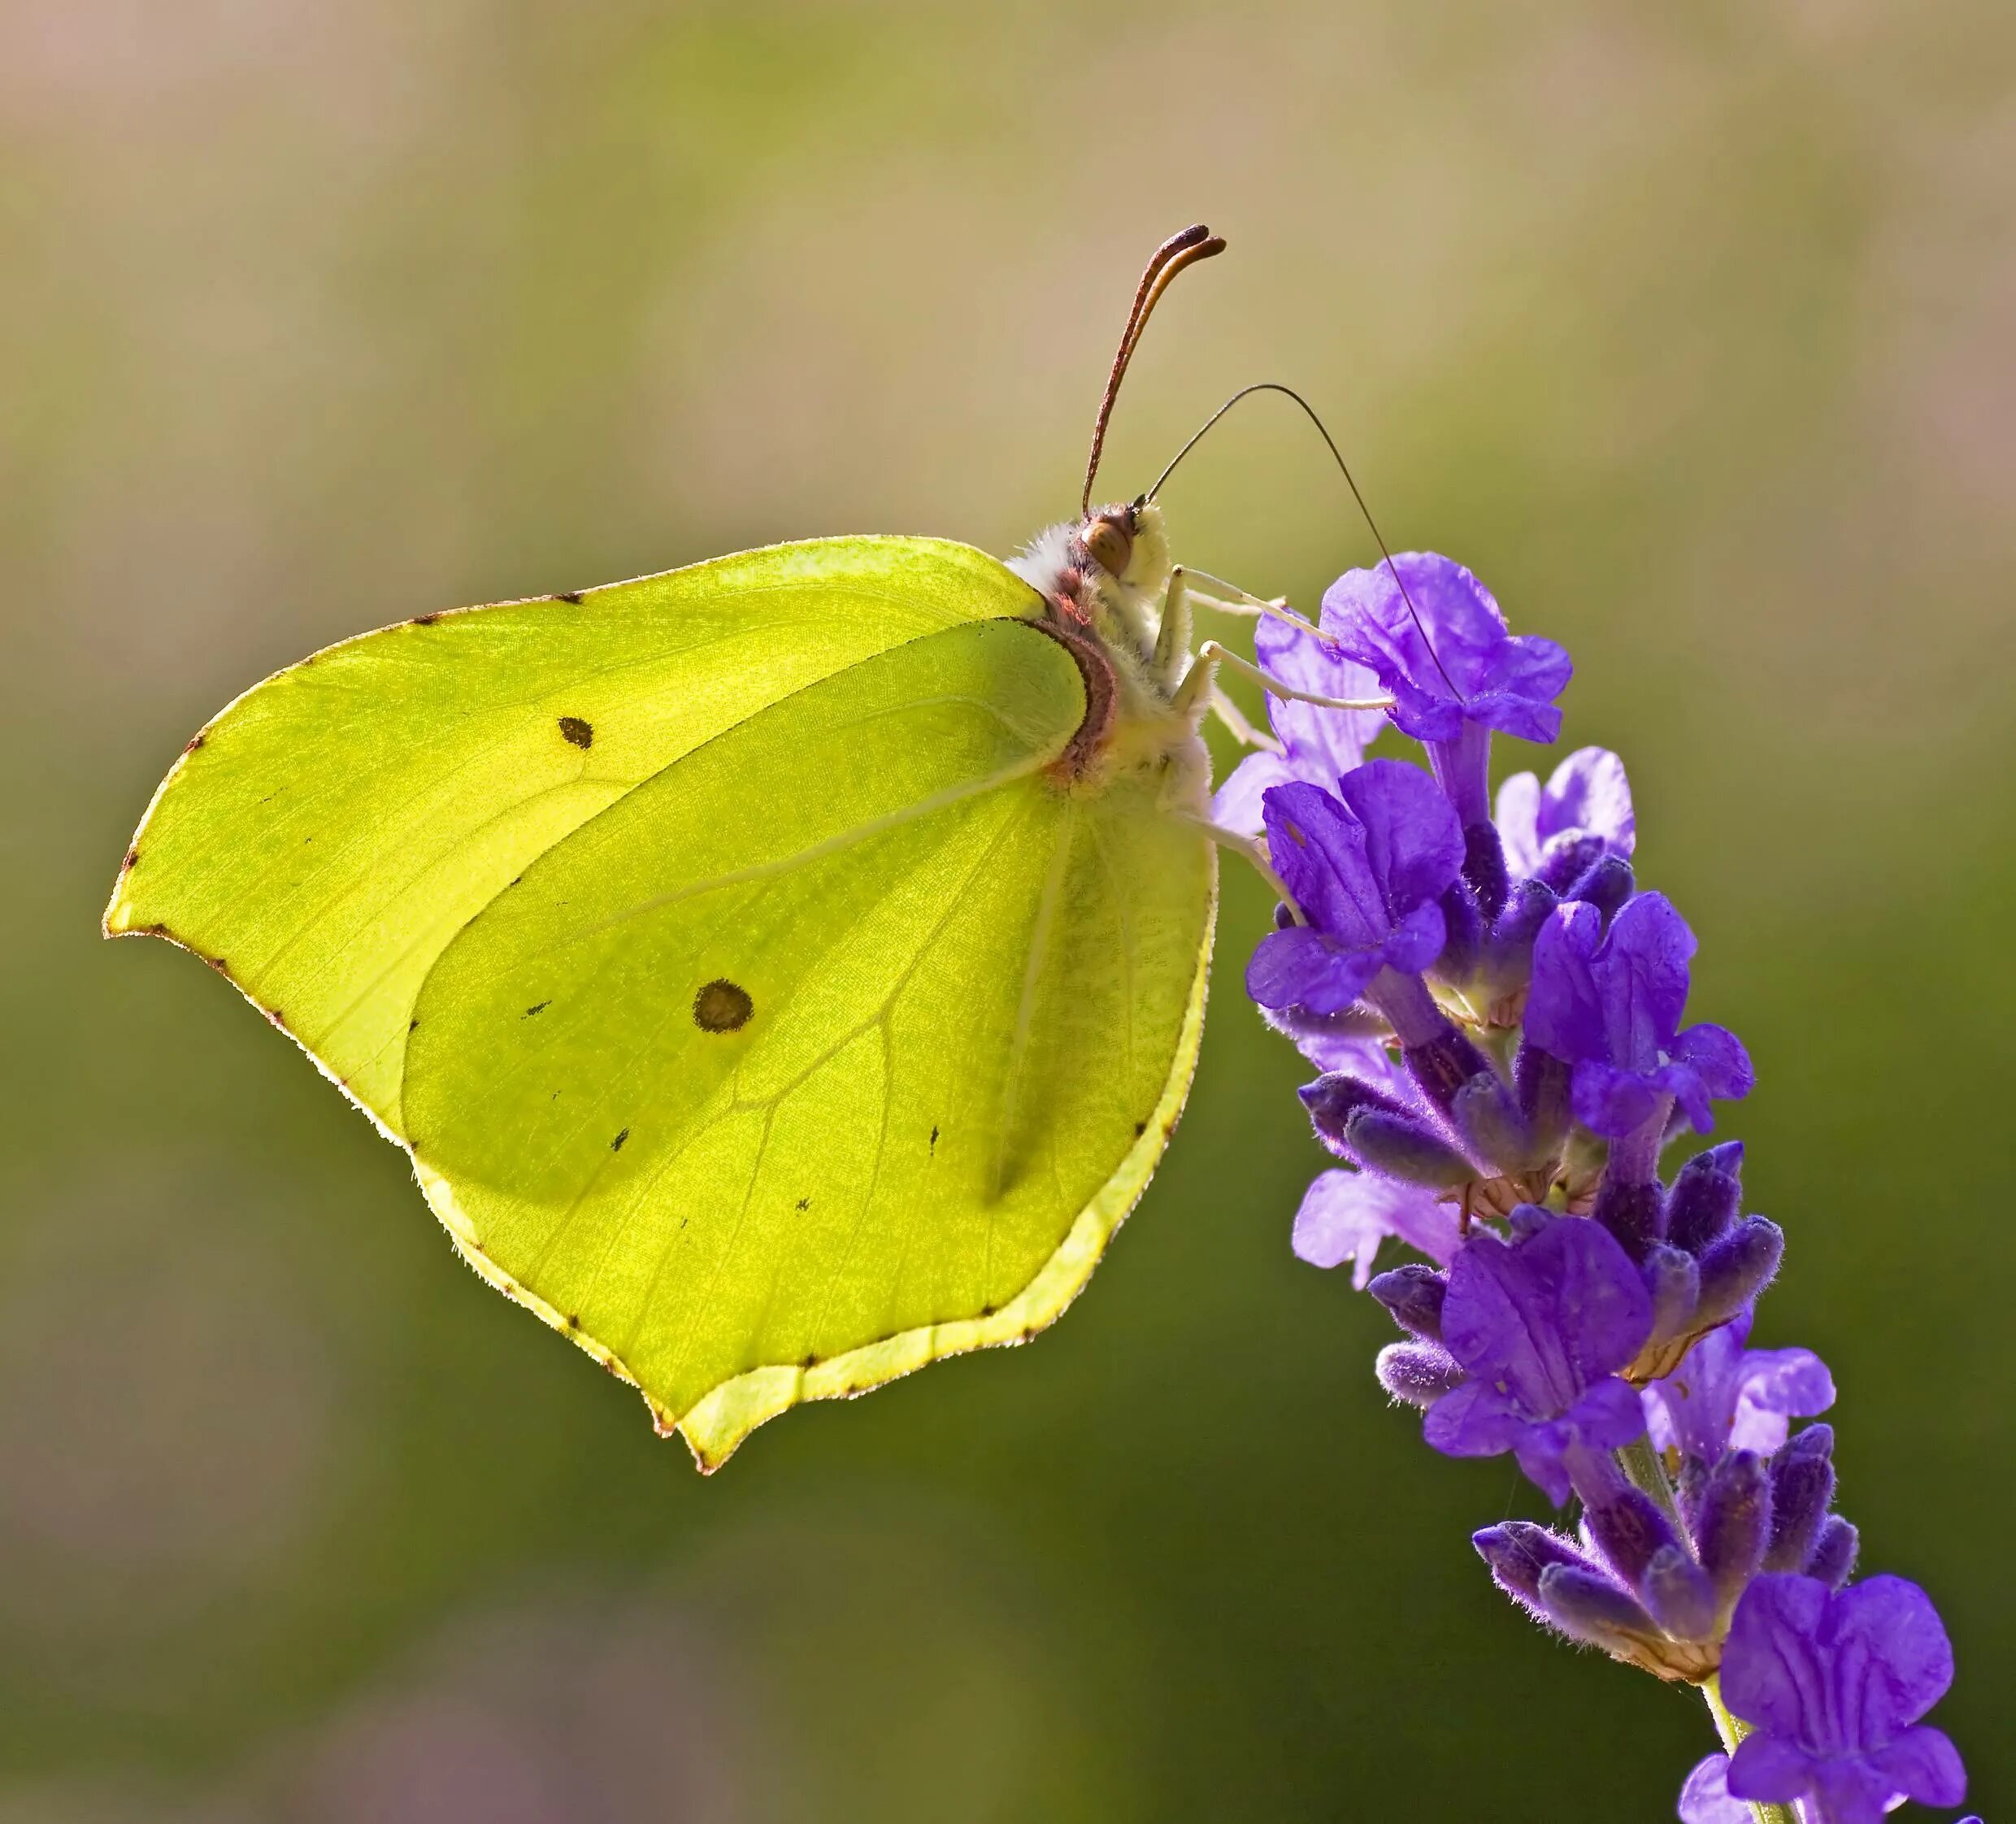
{"x":1689,"y":328}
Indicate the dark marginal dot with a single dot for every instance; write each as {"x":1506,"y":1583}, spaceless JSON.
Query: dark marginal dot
{"x":538,"y":1008}
{"x":573,"y":1322}
{"x":987,"y":1310}
{"x":412,"y":1026}
{"x":131,"y":861}
{"x":576,"y":731}
{"x":809,"y":1362}
{"x":722,"y":1006}
{"x":1140,"y":1127}
{"x":219,"y":964}
{"x":424,"y":620}
{"x":616,"y":1145}
{"x":573,"y":596}
{"x":196,"y":742}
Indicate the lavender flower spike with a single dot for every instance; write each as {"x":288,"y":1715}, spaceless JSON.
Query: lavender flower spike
{"x":1468,"y":675}
{"x":1317,"y":745}
{"x":1834,"y":1685}
{"x":1609,"y":1004}
{"x":1555,"y":833}
{"x":1541,"y":1325}
{"x":1723,"y":1396}
{"x":1367,"y":870}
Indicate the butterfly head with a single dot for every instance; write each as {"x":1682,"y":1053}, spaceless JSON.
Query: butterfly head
{"x":1128,"y":545}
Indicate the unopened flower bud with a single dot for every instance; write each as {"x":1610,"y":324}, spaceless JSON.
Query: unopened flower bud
{"x":1733,"y":1521}
{"x":1832,"y":1558}
{"x":1418,"y":1373}
{"x":1404,"y":1149}
{"x":1736,"y":1268}
{"x":1413,"y":1295}
{"x":1802,"y":1488}
{"x":1707,"y":1193}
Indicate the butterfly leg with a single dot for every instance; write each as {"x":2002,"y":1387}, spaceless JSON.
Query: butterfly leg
{"x":1235,"y":720}
{"x":1277,"y":687}
{"x":1172,"y":639}
{"x":1254,"y":854}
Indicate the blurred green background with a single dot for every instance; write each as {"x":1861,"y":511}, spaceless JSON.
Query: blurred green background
{"x":1689,"y":328}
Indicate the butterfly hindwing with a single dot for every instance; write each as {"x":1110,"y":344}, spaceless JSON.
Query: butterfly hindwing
{"x":840,"y":1045}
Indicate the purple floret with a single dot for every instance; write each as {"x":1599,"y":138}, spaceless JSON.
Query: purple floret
{"x":1609,"y":1004}
{"x":1833,"y":1684}
{"x":1317,"y":745}
{"x":1559,"y":830}
{"x":1723,"y":1396}
{"x":1345,"y":1215}
{"x":1541,"y":1325}
{"x":1366,"y":868}
{"x":1476,"y":676}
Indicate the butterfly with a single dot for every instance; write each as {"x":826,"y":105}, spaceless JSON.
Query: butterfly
{"x":784,"y":971}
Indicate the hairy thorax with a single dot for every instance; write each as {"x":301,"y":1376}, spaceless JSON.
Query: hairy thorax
{"x":1110,"y":602}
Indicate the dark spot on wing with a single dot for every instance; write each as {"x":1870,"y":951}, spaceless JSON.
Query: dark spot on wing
{"x":277,"y":1017}
{"x":538,"y":1007}
{"x":805,"y":1203}
{"x":616,"y":1145}
{"x":412,"y":1026}
{"x":934,"y":1139}
{"x":576,"y":731}
{"x":987,"y":1310}
{"x":722,"y":1006}
{"x":809,"y":1362}
{"x":1140,"y":1127}
{"x":130,"y":862}
{"x":424,"y":620}
{"x":219,"y":964}
{"x":574,"y":1322}
{"x":569,"y":595}
{"x":195,"y":742}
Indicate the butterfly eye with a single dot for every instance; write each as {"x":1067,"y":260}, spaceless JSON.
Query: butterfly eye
{"x":1110,"y":540}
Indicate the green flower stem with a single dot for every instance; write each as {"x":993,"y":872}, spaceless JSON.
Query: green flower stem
{"x":1732,"y":1730}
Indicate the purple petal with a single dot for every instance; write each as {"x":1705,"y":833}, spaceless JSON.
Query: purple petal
{"x":1588,"y":793}
{"x":1641,"y":977}
{"x":1609,"y":1416}
{"x":1897,"y":1660}
{"x":1237,"y":806}
{"x":1301,"y":967}
{"x":1774,"y":1385}
{"x":1321,"y":744}
{"x":1564,"y":1011}
{"x":1423,"y":715}
{"x":1518,"y":816}
{"x":1923,"y":1764}
{"x":1719,"y":1056}
{"x":1548,"y":1317}
{"x":1773,"y":1674}
{"x":1611,"y":1101}
{"x":1318,"y":849}
{"x":1769,"y":1768}
{"x":1514,"y":715}
{"x":1412,"y":843}
{"x":1704,"y":1799}
{"x":1345,"y":1215}
{"x":1417,"y":941}
{"x":1476,"y":1420}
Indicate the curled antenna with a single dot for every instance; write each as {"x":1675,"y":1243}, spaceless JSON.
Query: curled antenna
{"x":1195,"y":243}
{"x":1344,"y":469}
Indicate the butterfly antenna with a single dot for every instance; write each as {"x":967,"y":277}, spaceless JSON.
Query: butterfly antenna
{"x":1344,"y":469}
{"x":1195,"y":243}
